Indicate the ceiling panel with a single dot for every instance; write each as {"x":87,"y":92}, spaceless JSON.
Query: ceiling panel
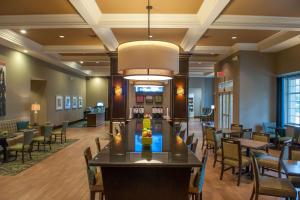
{"x":136,"y":34}
{"x":34,"y":7}
{"x":159,"y":6}
{"x":283,"y":8}
{"x":220,"y":37}
{"x":71,"y":36}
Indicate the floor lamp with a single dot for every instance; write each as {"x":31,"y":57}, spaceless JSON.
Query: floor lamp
{"x":35,"y":108}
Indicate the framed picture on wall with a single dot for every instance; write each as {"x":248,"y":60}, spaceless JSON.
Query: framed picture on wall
{"x":74,"y":102}
{"x":158,"y":99}
{"x":139,"y":98}
{"x":59,"y":102}
{"x":80,"y":102}
{"x":149,"y":99}
{"x":67,"y":102}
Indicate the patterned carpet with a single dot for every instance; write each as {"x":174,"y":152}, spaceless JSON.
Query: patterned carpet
{"x":15,"y":167}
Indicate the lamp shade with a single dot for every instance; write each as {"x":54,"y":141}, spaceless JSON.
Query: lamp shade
{"x":35,"y":107}
{"x":148,"y":60}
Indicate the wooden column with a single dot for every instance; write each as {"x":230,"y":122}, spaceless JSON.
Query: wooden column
{"x":181,"y":82}
{"x":117,"y":101}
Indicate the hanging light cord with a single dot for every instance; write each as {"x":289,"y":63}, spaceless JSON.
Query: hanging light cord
{"x":149,"y":7}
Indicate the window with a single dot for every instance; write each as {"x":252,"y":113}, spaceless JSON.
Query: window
{"x":293,"y":100}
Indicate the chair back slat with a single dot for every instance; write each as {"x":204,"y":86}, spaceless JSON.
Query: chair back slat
{"x":97,"y":140}
{"x":28,"y":136}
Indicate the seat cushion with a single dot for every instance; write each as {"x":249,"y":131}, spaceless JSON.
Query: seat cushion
{"x":295,"y":180}
{"x":38,"y":139}
{"x":283,"y":139}
{"x":19,"y":138}
{"x":268,"y":161}
{"x":276,"y":187}
{"x":235,"y":163}
{"x":18,"y":147}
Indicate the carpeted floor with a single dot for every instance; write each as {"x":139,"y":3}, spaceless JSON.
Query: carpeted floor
{"x":14,"y":167}
{"x":80,"y":124}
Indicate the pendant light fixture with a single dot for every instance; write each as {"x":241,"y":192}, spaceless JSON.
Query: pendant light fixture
{"x":148,"y":60}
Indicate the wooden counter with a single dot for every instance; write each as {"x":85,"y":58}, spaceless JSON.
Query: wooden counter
{"x":95,"y":119}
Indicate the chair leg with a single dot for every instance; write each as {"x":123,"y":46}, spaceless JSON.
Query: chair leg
{"x":233,"y":170}
{"x":200,"y":196}
{"x":50,"y":145}
{"x":23,"y":156}
{"x":92,"y":195}
{"x":29,"y":152}
{"x":61,"y":138}
{"x":252,"y":194}
{"x":239,"y":177}
{"x":256,"y":196}
{"x":222,"y":171}
{"x":215,"y":160}
{"x":38,"y":146}
{"x":262,"y":171}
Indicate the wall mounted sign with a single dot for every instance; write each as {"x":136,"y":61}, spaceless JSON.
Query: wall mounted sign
{"x":225,"y":86}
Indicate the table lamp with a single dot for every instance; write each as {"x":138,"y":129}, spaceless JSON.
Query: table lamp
{"x":35,"y":108}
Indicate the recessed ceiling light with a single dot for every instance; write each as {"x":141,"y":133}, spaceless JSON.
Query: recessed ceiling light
{"x":25,"y":51}
{"x":62,"y":36}
{"x":233,"y":37}
{"x":81,"y":62}
{"x":23,"y":31}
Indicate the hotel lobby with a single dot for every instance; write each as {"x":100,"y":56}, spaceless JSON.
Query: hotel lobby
{"x":149,"y":99}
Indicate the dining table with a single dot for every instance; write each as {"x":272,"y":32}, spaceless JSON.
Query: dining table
{"x":251,"y":144}
{"x":134,"y":170}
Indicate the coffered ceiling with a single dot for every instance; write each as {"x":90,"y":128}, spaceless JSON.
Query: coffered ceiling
{"x":159,"y":6}
{"x":90,"y":29}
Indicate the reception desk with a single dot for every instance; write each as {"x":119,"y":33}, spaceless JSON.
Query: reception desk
{"x":133,"y":171}
{"x":95,"y":119}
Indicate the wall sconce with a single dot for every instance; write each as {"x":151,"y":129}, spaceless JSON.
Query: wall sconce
{"x":118,"y":91}
{"x":180,"y":91}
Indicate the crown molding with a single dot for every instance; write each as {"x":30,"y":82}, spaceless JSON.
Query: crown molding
{"x":91,"y":13}
{"x":257,"y":23}
{"x":42,"y":21}
{"x":18,"y":42}
{"x":74,"y":49}
{"x":85,"y":58}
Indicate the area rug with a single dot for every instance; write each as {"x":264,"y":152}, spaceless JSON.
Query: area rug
{"x":80,"y":124}
{"x":15,"y":167}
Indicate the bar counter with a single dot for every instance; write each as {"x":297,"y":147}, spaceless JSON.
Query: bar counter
{"x":132,"y":171}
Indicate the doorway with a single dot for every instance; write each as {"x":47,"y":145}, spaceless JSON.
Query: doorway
{"x":37,"y":89}
{"x":225,"y":109}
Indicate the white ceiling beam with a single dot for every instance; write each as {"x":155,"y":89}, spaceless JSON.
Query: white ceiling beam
{"x":74,"y":49}
{"x":91,"y":13}
{"x":208,"y":12}
{"x":256,"y":23}
{"x":20,"y":43}
{"x":211,"y":49}
{"x":141,"y":20}
{"x":279,"y":41}
{"x":42,"y":21}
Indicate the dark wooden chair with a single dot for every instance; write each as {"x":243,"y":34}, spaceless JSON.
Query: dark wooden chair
{"x":197,"y":180}
{"x":237,"y":127}
{"x":94,"y":177}
{"x":189,"y":139}
{"x":25,"y":147}
{"x":247,"y":133}
{"x":270,"y":186}
{"x":294,"y":154}
{"x":97,"y":141}
{"x":62,"y":134}
{"x":232,"y":157}
{"x":194,"y":146}
{"x":44,"y":139}
{"x":217,"y":147}
{"x":262,"y":137}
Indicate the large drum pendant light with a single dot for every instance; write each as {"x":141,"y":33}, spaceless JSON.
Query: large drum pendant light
{"x":148,"y":60}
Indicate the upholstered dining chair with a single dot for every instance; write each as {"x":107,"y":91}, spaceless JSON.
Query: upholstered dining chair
{"x":232,"y":157}
{"x":210,"y":140}
{"x":270,"y":162}
{"x":194,"y":146}
{"x":294,"y":154}
{"x":217,"y":147}
{"x":237,"y":127}
{"x":94,"y":177}
{"x":197,"y":180}
{"x":262,"y":138}
{"x":62,"y":134}
{"x":189,"y":139}
{"x":182,"y":134}
{"x":25,"y":147}
{"x":247,"y":133}
{"x":97,"y":141}
{"x":46,"y":138}
{"x":270,"y":186}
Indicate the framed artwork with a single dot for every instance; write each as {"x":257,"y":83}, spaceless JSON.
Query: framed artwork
{"x":139,"y":98}
{"x":74,"y":102}
{"x":149,"y":99}
{"x":80,"y":102}
{"x":2,"y":88}
{"x":59,"y":102}
{"x":158,"y":99}
{"x":67,"y":102}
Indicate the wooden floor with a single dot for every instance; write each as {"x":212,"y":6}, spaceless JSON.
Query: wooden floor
{"x":62,"y":176}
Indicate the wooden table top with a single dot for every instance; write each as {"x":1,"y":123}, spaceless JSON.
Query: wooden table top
{"x":253,"y":144}
{"x":291,"y":167}
{"x":229,"y":131}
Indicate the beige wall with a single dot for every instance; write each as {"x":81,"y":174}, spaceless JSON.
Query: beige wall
{"x":21,"y":69}
{"x":288,"y":61}
{"x":96,"y":90}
